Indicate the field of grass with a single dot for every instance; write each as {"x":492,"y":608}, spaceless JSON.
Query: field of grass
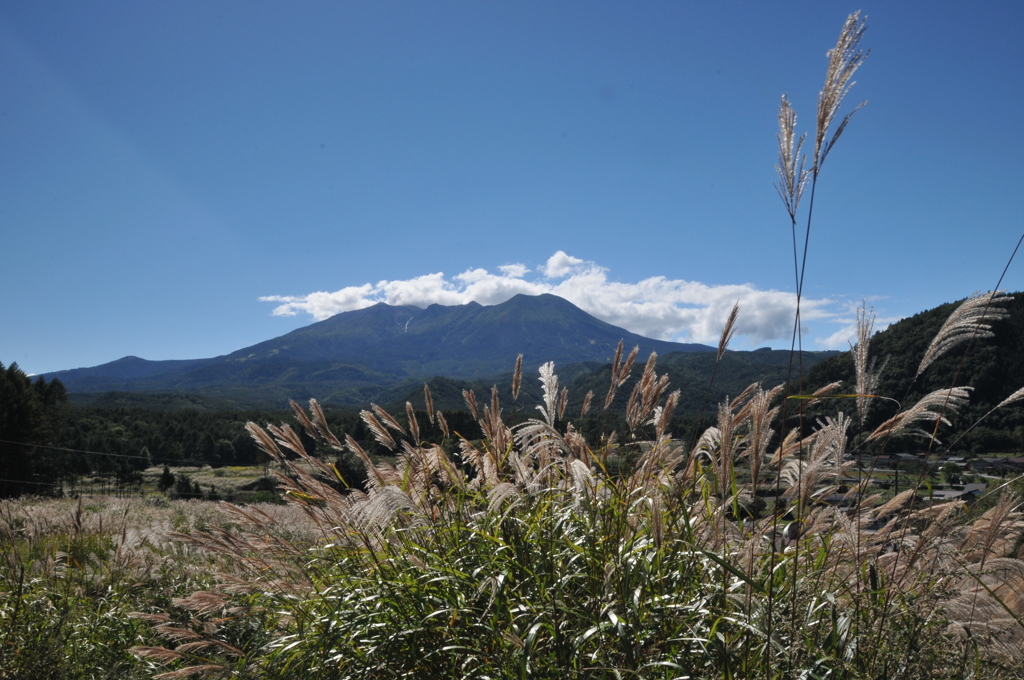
{"x":75,"y":574}
{"x":523,"y":557}
{"x":759,"y":549}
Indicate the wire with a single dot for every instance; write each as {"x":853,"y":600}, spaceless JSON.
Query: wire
{"x":21,"y":481}
{"x":101,"y":453}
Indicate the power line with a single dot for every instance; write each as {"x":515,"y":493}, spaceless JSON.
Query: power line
{"x":21,"y":481}
{"x":99,"y":453}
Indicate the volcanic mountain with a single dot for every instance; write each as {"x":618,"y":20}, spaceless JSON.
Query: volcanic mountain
{"x":350,"y":356}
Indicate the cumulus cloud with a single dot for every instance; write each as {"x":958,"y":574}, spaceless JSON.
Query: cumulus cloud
{"x":517,"y":270}
{"x":560,"y":264}
{"x":656,"y":307}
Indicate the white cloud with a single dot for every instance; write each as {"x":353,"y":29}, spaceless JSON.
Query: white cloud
{"x":846,"y":335}
{"x":516,"y":270}
{"x":657,"y":307}
{"x":841,"y":339}
{"x":560,"y":264}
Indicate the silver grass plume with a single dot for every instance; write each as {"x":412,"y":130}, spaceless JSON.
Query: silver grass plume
{"x":443,"y":424}
{"x":1012,"y":399}
{"x":263,"y":440}
{"x":627,"y":366}
{"x":867,"y":375}
{"x":388,"y":419}
{"x":517,"y":377}
{"x":843,"y":61}
{"x":727,"y":332}
{"x":970,"y":320}
{"x":320,"y":422}
{"x":470,"y":397}
{"x":646,"y":394}
{"x":665,"y":414}
{"x":586,"y":403}
{"x":549,"y":382}
{"x":379,"y":432}
{"x":792,"y":175}
{"x":414,"y":425}
{"x":825,"y":459}
{"x":616,"y":362}
{"x":1016,"y":396}
{"x":375,"y":478}
{"x":430,"y":402}
{"x":620,"y":373}
{"x":762,"y":414}
{"x":824,"y":392}
{"x":303,"y":419}
{"x":493,"y":427}
{"x":928,"y":409}
{"x":286,"y":437}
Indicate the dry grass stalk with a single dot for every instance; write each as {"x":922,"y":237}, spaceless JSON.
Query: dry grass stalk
{"x":728,"y":331}
{"x":867,"y":375}
{"x":843,"y":61}
{"x":972,"y":319}
{"x":792,"y":175}
{"x":429,"y":399}
{"x":517,"y":377}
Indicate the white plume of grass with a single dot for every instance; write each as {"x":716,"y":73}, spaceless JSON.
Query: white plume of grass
{"x":972,"y":319}
{"x":792,"y":175}
{"x":930,"y":408}
{"x":843,"y":61}
{"x":866,"y":373}
{"x":549,"y":382}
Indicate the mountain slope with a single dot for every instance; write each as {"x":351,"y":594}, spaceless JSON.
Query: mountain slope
{"x":464,"y":341}
{"x":350,"y":356}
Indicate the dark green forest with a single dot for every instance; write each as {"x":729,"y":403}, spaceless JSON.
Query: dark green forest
{"x":31,"y":414}
{"x":47,"y":446}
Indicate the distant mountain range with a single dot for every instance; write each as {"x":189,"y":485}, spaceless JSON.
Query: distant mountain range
{"x":354,"y":357}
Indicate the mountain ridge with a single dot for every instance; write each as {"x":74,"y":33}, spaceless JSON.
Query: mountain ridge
{"x":351,"y":355}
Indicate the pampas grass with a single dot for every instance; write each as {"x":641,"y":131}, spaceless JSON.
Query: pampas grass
{"x":751,"y":552}
{"x":521,"y":556}
{"x":971,"y":320}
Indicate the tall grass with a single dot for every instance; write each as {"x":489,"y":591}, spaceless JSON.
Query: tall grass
{"x":748,"y":552}
{"x":523,"y":557}
{"x":71,"y":574}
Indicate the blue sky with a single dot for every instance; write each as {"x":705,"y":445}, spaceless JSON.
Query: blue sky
{"x":167,"y":165}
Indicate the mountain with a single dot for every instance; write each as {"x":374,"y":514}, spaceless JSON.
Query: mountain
{"x":352,"y":356}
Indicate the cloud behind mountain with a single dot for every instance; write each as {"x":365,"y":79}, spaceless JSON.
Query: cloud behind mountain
{"x":655,"y":307}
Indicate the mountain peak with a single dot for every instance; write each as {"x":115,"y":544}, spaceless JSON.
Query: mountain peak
{"x":382,"y":344}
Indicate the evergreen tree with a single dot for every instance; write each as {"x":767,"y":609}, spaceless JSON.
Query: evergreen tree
{"x":30,"y":415}
{"x":166,"y":480}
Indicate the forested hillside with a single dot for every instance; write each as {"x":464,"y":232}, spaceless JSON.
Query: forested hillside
{"x":994,"y":367}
